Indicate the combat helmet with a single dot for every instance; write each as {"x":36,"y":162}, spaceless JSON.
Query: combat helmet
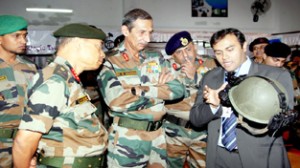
{"x":258,"y":99}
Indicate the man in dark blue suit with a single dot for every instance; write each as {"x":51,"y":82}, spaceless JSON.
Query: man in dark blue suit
{"x":247,"y":150}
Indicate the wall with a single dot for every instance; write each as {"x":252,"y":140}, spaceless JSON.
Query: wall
{"x":104,"y":13}
{"x":288,"y":14}
{"x":169,"y":15}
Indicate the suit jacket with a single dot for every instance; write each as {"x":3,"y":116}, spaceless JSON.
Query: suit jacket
{"x":253,"y":150}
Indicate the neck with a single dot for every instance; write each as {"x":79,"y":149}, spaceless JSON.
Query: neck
{"x":69,"y":56}
{"x":131,"y":50}
{"x":8,"y":57}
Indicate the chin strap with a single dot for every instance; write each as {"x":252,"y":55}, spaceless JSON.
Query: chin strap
{"x":253,"y":131}
{"x":277,"y":123}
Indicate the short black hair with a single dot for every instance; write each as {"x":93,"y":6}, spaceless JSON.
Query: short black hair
{"x":134,"y":15}
{"x":219,"y":35}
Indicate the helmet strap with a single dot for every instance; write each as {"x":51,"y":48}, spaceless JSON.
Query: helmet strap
{"x":253,"y":131}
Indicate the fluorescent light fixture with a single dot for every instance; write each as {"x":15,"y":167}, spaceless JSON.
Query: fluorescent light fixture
{"x":49,"y":10}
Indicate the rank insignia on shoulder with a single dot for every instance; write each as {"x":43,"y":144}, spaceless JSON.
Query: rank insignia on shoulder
{"x":174,"y":65}
{"x":62,"y":71}
{"x":82,"y":99}
{"x":126,"y":73}
{"x":200,"y":61}
{"x":125,"y":56}
{"x":3,"y":78}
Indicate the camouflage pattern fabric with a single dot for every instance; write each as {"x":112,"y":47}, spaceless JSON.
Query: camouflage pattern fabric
{"x":186,"y":144}
{"x":136,"y":148}
{"x":119,"y":74}
{"x":59,"y":108}
{"x":13,"y":83}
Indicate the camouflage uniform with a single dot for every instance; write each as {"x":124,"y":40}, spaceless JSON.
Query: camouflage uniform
{"x":136,"y":138}
{"x":13,"y":84}
{"x":59,"y":108}
{"x":185,"y":142}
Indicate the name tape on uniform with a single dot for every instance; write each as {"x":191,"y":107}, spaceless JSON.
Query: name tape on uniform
{"x":128,"y":73}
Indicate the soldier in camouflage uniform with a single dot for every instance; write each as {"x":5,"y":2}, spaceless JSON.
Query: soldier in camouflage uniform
{"x":60,"y":122}
{"x":15,"y":73}
{"x":134,"y":83}
{"x":185,"y":143}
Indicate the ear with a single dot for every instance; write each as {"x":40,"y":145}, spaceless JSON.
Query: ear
{"x":195,"y":46}
{"x":245,"y":46}
{"x":125,"y":30}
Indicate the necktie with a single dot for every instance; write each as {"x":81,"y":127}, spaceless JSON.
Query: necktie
{"x":230,"y":76}
{"x":229,"y":124}
{"x":228,"y":132}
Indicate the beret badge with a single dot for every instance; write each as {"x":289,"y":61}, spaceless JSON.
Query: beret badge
{"x":184,"y":41}
{"x":178,"y":40}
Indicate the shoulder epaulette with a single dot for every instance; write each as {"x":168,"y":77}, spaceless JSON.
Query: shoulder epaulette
{"x":61,"y":71}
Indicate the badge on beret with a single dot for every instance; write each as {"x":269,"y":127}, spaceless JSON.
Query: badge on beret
{"x":184,"y":41}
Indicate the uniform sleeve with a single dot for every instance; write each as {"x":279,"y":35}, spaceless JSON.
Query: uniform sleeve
{"x":44,"y":104}
{"x":171,"y":90}
{"x":116,"y":96}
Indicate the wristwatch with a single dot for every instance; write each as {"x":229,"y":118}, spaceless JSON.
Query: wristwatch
{"x":133,"y":91}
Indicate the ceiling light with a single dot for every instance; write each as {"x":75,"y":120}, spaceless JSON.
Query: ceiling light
{"x":49,"y":10}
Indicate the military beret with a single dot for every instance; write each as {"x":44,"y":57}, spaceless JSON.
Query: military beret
{"x":80,"y":30}
{"x":178,"y":40}
{"x":295,"y":53}
{"x":278,"y":50}
{"x":259,"y":40}
{"x":11,"y":23}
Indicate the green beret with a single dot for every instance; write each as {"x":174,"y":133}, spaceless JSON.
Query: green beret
{"x":80,"y":30}
{"x":11,"y":23}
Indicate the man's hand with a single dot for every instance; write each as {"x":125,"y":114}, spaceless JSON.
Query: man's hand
{"x":189,"y":68}
{"x":165,"y":76}
{"x":33,"y":162}
{"x":212,"y":96}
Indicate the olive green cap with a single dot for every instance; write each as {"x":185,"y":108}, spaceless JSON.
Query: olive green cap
{"x":11,"y":23}
{"x":80,"y":30}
